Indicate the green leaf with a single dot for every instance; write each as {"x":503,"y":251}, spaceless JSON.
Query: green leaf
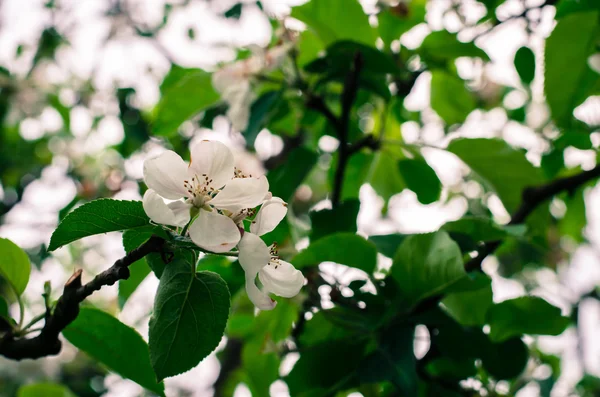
{"x":427,"y":264}
{"x":14,"y":265}
{"x":505,"y":169}
{"x":566,"y":7}
{"x":525,"y":64}
{"x":329,"y":221}
{"x":284,"y":181}
{"x":119,"y":347}
{"x":45,"y":389}
{"x":325,"y":367}
{"x":190,"y":314}
{"x":261,"y":367}
{"x":138,"y":271}
{"x":344,"y":248}
{"x":450,"y":99}
{"x":96,"y":217}
{"x":393,"y":361}
{"x":334,"y":20}
{"x":185,"y":94}
{"x":4,"y":308}
{"x":388,"y":244}
{"x":566,"y":73}
{"x":470,"y":308}
{"x":421,"y":179}
{"x":384,"y":175}
{"x":340,"y":55}
{"x":525,"y":315}
{"x":259,"y":114}
{"x":395,"y":21}
{"x":505,"y":360}
{"x":444,"y":46}
{"x":357,"y":171}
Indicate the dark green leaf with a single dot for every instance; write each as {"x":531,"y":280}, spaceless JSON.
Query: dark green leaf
{"x":45,"y":389}
{"x":525,"y":315}
{"x":190,"y":314}
{"x":234,"y":12}
{"x":505,"y":360}
{"x":284,"y":181}
{"x":339,"y":58}
{"x":476,"y":228}
{"x":357,"y":171}
{"x":450,"y":99}
{"x":15,"y":267}
{"x":344,"y":248}
{"x":325,"y":367}
{"x":421,"y":179}
{"x":470,"y":308}
{"x":340,"y":219}
{"x":229,"y":271}
{"x":4,"y":308}
{"x":388,"y":244}
{"x":444,"y":46}
{"x":506,"y":170}
{"x":115,"y":345}
{"x":334,"y":20}
{"x":525,"y":64}
{"x":96,"y":217}
{"x":184,"y":96}
{"x":259,"y":114}
{"x":392,"y":361}
{"x":426,"y":264}
{"x":567,"y":50}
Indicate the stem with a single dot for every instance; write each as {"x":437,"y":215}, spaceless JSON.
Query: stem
{"x":34,"y":321}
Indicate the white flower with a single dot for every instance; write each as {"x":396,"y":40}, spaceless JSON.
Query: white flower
{"x":208,"y":188}
{"x":594,"y":62}
{"x":233,"y":82}
{"x":277,"y":276}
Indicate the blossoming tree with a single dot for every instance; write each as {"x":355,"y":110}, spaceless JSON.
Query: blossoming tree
{"x":241,"y":258}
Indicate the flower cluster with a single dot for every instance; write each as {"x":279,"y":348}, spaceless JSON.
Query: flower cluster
{"x":234,"y":81}
{"x":212,"y":199}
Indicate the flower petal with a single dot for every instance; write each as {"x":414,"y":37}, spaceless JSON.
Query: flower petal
{"x":176,"y":213}
{"x":214,"y":159}
{"x":165,"y":175}
{"x":281,"y":278}
{"x":260,"y":299}
{"x":254,"y":253}
{"x":214,"y":232}
{"x":269,"y":216}
{"x":241,"y":193}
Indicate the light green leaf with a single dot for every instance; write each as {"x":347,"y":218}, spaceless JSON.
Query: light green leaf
{"x":14,"y":265}
{"x":427,"y":264}
{"x":190,"y":314}
{"x":525,"y":64}
{"x":525,"y":315}
{"x":344,"y":248}
{"x":45,"y":389}
{"x":444,"y":46}
{"x":393,"y":23}
{"x":450,"y":99}
{"x":334,"y":20}
{"x":96,"y":217}
{"x":566,"y":7}
{"x":567,"y":72}
{"x":115,"y":345}
{"x":185,"y":94}
{"x":506,"y":170}
{"x":259,"y":115}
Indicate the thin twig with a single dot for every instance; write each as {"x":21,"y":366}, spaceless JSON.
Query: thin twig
{"x":47,"y":342}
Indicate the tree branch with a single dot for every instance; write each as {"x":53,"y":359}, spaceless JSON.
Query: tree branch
{"x":348,"y":97}
{"x":532,"y":198}
{"x":47,"y":342}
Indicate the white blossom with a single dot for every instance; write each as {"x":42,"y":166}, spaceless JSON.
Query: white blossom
{"x":276,"y":276}
{"x":207,"y":189}
{"x":234,"y":82}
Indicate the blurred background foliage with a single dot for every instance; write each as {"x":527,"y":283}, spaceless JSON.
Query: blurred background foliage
{"x":460,"y":105}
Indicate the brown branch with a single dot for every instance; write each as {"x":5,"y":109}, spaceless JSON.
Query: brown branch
{"x":348,"y":97}
{"x":532,"y":198}
{"x":47,"y":343}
